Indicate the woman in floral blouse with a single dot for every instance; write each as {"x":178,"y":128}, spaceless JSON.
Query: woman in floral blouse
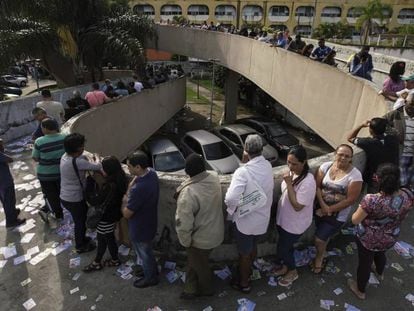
{"x":379,"y":217}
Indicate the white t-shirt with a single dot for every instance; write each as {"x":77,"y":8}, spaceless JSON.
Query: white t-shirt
{"x":292,"y":221}
{"x":334,"y":191}
{"x":53,"y":109}
{"x":138,"y":86}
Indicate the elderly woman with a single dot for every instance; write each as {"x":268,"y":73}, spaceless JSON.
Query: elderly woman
{"x":294,"y":212}
{"x":249,"y":226}
{"x":379,"y":217}
{"x":338,"y":184}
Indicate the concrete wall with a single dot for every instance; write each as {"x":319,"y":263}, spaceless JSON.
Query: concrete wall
{"x":326,"y":99}
{"x":120,"y":127}
{"x":16,"y":115}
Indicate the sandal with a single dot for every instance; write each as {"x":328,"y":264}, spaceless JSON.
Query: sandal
{"x":288,"y":281}
{"x":112,"y":263}
{"x":93,"y":267}
{"x":244,"y":289}
{"x":354,"y":288}
{"x":278,"y":272}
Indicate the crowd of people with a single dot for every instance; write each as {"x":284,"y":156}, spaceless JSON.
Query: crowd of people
{"x":325,"y":197}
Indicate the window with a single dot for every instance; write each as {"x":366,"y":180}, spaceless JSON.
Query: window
{"x":307,"y":11}
{"x":276,"y":130}
{"x":331,"y":11}
{"x":171,"y":10}
{"x":353,"y":13}
{"x":169,"y":162}
{"x":217,"y":151}
{"x":406,"y":14}
{"x":231,"y":136}
{"x":146,"y":9}
{"x":193,"y":144}
{"x":256,"y":127}
{"x":252,"y":10}
{"x":279,"y":11}
{"x":197,"y":10}
{"x":225,"y":10}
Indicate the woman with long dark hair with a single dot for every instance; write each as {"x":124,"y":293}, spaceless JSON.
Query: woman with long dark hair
{"x":338,"y":186}
{"x":379,"y":217}
{"x":294,"y":212}
{"x":112,"y":192}
{"x":394,"y":83}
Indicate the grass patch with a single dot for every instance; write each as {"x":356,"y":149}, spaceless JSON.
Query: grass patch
{"x":207,"y":84}
{"x":192,"y":97}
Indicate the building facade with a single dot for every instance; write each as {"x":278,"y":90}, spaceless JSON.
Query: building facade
{"x":297,"y":16}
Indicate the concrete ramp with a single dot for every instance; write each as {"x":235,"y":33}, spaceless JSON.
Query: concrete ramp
{"x":328,"y":100}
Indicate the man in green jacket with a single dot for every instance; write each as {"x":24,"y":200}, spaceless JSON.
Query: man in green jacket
{"x":199,"y":224}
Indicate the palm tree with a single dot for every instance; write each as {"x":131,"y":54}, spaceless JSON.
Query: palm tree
{"x":70,"y":35}
{"x":374,"y":10}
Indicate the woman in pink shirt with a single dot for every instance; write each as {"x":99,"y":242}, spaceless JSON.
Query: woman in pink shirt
{"x":96,"y":97}
{"x":393,"y":83}
{"x":294,"y":212}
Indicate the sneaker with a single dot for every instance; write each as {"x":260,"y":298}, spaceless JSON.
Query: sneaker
{"x":18,"y":222}
{"x":87,"y":248}
{"x":143,"y":283}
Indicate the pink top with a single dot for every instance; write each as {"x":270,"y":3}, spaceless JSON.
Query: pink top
{"x":96,"y":98}
{"x":391,"y":86}
{"x":296,"y":222}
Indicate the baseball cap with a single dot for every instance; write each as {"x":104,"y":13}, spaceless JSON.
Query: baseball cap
{"x":409,"y":78}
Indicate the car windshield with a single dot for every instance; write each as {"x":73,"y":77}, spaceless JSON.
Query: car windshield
{"x":216,"y":151}
{"x":276,"y":130}
{"x":169,"y":162}
{"x":243,"y":137}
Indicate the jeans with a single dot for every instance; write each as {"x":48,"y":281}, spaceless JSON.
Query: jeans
{"x":149,"y":265}
{"x":51,"y":191}
{"x":78,"y":211}
{"x":8,"y":200}
{"x":365,"y":260}
{"x":285,"y":248}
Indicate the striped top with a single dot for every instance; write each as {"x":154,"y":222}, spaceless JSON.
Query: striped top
{"x":408,"y":150}
{"x":47,"y":151}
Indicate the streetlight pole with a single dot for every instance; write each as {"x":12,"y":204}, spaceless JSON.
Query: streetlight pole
{"x":213,"y":61}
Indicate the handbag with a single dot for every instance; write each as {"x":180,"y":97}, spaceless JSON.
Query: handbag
{"x":92,"y":196}
{"x":252,"y":198}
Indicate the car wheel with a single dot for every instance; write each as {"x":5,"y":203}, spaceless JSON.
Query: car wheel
{"x":23,"y":84}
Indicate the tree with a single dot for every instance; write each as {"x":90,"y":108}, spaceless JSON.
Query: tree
{"x":368,"y":14}
{"x":332,"y":30}
{"x":70,"y":35}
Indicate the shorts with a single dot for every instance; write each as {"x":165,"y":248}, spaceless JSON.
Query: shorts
{"x":325,"y":230}
{"x":246,"y":243}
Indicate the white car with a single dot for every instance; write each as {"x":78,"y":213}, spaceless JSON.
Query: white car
{"x":215,"y":152}
{"x":17,"y":80}
{"x":165,"y":156}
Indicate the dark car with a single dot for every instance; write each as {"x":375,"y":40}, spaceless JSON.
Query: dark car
{"x":273,"y":131}
{"x":10,"y":90}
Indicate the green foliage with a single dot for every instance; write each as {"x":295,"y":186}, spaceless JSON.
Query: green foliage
{"x":374,"y":10}
{"x":73,"y":34}
{"x":332,"y":30}
{"x":405,"y":30}
{"x":179,"y":20}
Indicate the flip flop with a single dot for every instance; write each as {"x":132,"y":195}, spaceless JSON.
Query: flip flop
{"x":288,"y":281}
{"x":111,"y":263}
{"x":92,"y":267}
{"x":354,"y":288}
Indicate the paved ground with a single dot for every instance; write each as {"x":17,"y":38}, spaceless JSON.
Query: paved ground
{"x":51,"y":278}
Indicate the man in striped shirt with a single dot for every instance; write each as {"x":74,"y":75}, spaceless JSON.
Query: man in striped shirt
{"x":47,"y":151}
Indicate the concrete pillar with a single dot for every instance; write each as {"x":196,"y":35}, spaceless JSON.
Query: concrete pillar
{"x":231,"y":88}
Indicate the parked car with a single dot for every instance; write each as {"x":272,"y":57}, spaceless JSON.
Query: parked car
{"x":164,"y":155}
{"x":217,"y":155}
{"x":273,"y":131}
{"x":234,"y":135}
{"x":18,"y":81}
{"x":10,"y":90}
{"x":8,"y":96}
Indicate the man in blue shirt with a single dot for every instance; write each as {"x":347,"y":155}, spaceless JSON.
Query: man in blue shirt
{"x":142,"y":215}
{"x":321,"y":51}
{"x":7,"y":194}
